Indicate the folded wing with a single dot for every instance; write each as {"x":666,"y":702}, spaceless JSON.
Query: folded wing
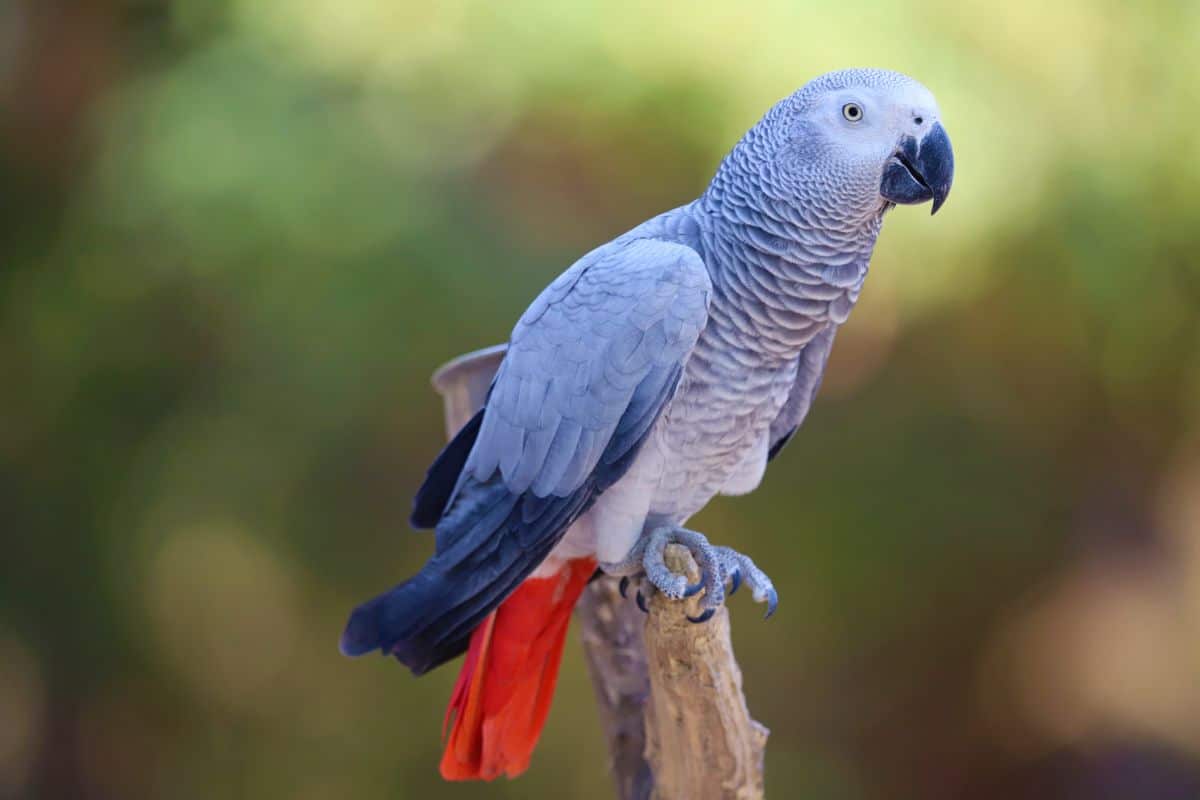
{"x":590,"y":366}
{"x":809,"y":371}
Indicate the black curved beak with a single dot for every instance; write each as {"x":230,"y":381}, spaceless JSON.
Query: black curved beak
{"x":920,"y":171}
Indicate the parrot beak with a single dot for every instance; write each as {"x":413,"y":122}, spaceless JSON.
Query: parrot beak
{"x":920,"y":171}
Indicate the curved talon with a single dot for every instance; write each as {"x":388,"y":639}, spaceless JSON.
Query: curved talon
{"x":772,"y":603}
{"x":735,"y":581}
{"x":644,"y":567}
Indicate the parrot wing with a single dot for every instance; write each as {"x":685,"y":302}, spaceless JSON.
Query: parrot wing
{"x":590,"y":365}
{"x":809,"y":372}
{"x":588,"y":370}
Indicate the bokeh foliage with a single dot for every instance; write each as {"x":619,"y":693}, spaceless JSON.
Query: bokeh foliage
{"x":238,"y":236}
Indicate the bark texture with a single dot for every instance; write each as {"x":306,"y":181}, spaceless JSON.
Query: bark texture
{"x":701,"y":741}
{"x":610,"y":627}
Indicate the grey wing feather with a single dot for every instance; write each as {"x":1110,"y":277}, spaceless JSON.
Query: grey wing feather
{"x":809,"y":372}
{"x":591,"y":363}
{"x":589,"y":369}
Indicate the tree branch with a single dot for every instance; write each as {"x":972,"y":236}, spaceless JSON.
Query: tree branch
{"x":701,"y":741}
{"x":610,"y":627}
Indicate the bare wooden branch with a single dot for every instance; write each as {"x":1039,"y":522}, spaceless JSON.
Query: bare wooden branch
{"x":669,"y":691}
{"x":610,"y":627}
{"x":701,"y":741}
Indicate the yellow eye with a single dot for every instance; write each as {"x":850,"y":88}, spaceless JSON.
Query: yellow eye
{"x":852,"y":111}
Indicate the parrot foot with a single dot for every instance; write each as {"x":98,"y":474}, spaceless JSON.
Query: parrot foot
{"x":645,"y":564}
{"x":740,"y":569}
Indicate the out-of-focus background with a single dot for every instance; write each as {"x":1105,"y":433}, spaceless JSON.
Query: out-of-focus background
{"x":238,"y":235}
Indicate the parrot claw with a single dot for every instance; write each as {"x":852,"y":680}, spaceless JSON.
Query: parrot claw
{"x":623,"y":586}
{"x":772,"y":602}
{"x":741,"y":570}
{"x":718,"y":565}
{"x":641,"y":602}
{"x":735,"y":582}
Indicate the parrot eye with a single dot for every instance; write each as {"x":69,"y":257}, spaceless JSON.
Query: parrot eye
{"x":852,"y":111}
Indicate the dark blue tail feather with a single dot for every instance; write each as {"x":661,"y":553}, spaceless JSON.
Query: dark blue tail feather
{"x":428,"y":619}
{"x":430,"y":501}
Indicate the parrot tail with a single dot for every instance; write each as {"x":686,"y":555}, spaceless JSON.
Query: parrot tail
{"x":503,"y":692}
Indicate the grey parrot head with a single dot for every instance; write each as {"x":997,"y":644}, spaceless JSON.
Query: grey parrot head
{"x":857,"y":140}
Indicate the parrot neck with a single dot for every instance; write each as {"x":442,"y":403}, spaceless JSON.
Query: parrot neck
{"x":783,"y":268}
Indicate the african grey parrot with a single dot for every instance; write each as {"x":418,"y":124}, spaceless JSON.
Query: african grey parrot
{"x":663,"y":368}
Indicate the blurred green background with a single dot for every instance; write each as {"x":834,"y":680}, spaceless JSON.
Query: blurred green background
{"x":238,"y":235}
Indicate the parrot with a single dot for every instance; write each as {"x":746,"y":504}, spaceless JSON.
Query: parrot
{"x":661,"y":369}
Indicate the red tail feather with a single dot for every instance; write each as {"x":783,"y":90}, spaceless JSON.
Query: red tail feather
{"x":503,"y":693}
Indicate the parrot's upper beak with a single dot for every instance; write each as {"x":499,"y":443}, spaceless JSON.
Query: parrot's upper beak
{"x":920,"y":171}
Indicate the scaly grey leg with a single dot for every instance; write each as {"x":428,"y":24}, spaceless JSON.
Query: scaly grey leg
{"x":644,"y":564}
